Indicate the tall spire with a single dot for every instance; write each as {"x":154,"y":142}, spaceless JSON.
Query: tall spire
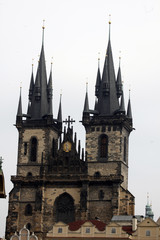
{"x":119,"y":81}
{"x":49,"y":90}
{"x":108,"y":101}
{"x":19,"y":111}
{"x":31,"y":87}
{"x":39,"y":102}
{"x":59,"y":117}
{"x":129,"y":110}
{"x":86,"y":103}
{"x":98,"y":80}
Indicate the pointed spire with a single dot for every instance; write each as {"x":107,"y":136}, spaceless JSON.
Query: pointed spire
{"x":39,"y":102}
{"x":59,"y":117}
{"x":108,"y":101}
{"x":64,"y":133}
{"x":31,"y":88}
{"x":86,"y":103}
{"x":119,"y":81}
{"x":49,"y":91}
{"x":129,"y":110}
{"x":49,"y":86}
{"x":75,"y":139}
{"x":19,"y":111}
{"x":98,"y":80}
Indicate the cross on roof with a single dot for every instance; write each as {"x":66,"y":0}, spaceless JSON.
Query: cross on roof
{"x":69,"y":121}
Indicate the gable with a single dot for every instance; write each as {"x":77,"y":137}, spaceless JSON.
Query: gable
{"x":148,"y":222}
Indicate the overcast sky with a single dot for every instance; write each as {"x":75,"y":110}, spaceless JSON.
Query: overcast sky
{"x":75,"y":31}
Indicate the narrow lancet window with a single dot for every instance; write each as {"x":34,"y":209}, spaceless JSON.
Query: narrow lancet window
{"x":33,"y":156}
{"x":125,"y":141}
{"x":25,"y":148}
{"x":103,"y":146}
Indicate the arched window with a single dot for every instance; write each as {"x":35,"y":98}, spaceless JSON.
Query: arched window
{"x":28,"y":210}
{"x":103,"y":146}
{"x":33,"y":156}
{"x":53,"y":148}
{"x":64,"y":208}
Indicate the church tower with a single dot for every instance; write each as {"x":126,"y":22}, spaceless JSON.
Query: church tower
{"x":55,"y":179}
{"x":108,"y":127}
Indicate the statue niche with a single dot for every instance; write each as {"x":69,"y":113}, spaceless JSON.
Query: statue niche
{"x":64,"y":206}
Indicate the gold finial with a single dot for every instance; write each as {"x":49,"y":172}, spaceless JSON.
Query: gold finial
{"x":43,"y":27}
{"x":109,"y":19}
{"x":51,"y":60}
{"x":51,"y":63}
{"x":119,"y":57}
{"x":32,"y":62}
{"x":20,"y":88}
{"x":98,"y":59}
{"x":87,"y":85}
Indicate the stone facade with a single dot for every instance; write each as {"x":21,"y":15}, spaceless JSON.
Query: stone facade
{"x":56,"y":181}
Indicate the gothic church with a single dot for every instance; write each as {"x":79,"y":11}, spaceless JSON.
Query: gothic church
{"x":55,"y":179}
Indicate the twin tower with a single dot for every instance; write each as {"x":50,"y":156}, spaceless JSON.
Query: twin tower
{"x":55,"y":179}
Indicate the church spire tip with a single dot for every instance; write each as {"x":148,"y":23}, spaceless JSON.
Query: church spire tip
{"x":43,"y":28}
{"x":109,"y":26}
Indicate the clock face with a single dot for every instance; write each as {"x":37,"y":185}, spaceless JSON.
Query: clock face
{"x":67,"y":146}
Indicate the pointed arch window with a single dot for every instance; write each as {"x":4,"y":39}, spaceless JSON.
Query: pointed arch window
{"x":33,"y":155}
{"x":64,"y":208}
{"x":28,"y":210}
{"x":103,"y":146}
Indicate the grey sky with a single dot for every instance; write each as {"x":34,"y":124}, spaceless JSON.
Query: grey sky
{"x":76,"y":30}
